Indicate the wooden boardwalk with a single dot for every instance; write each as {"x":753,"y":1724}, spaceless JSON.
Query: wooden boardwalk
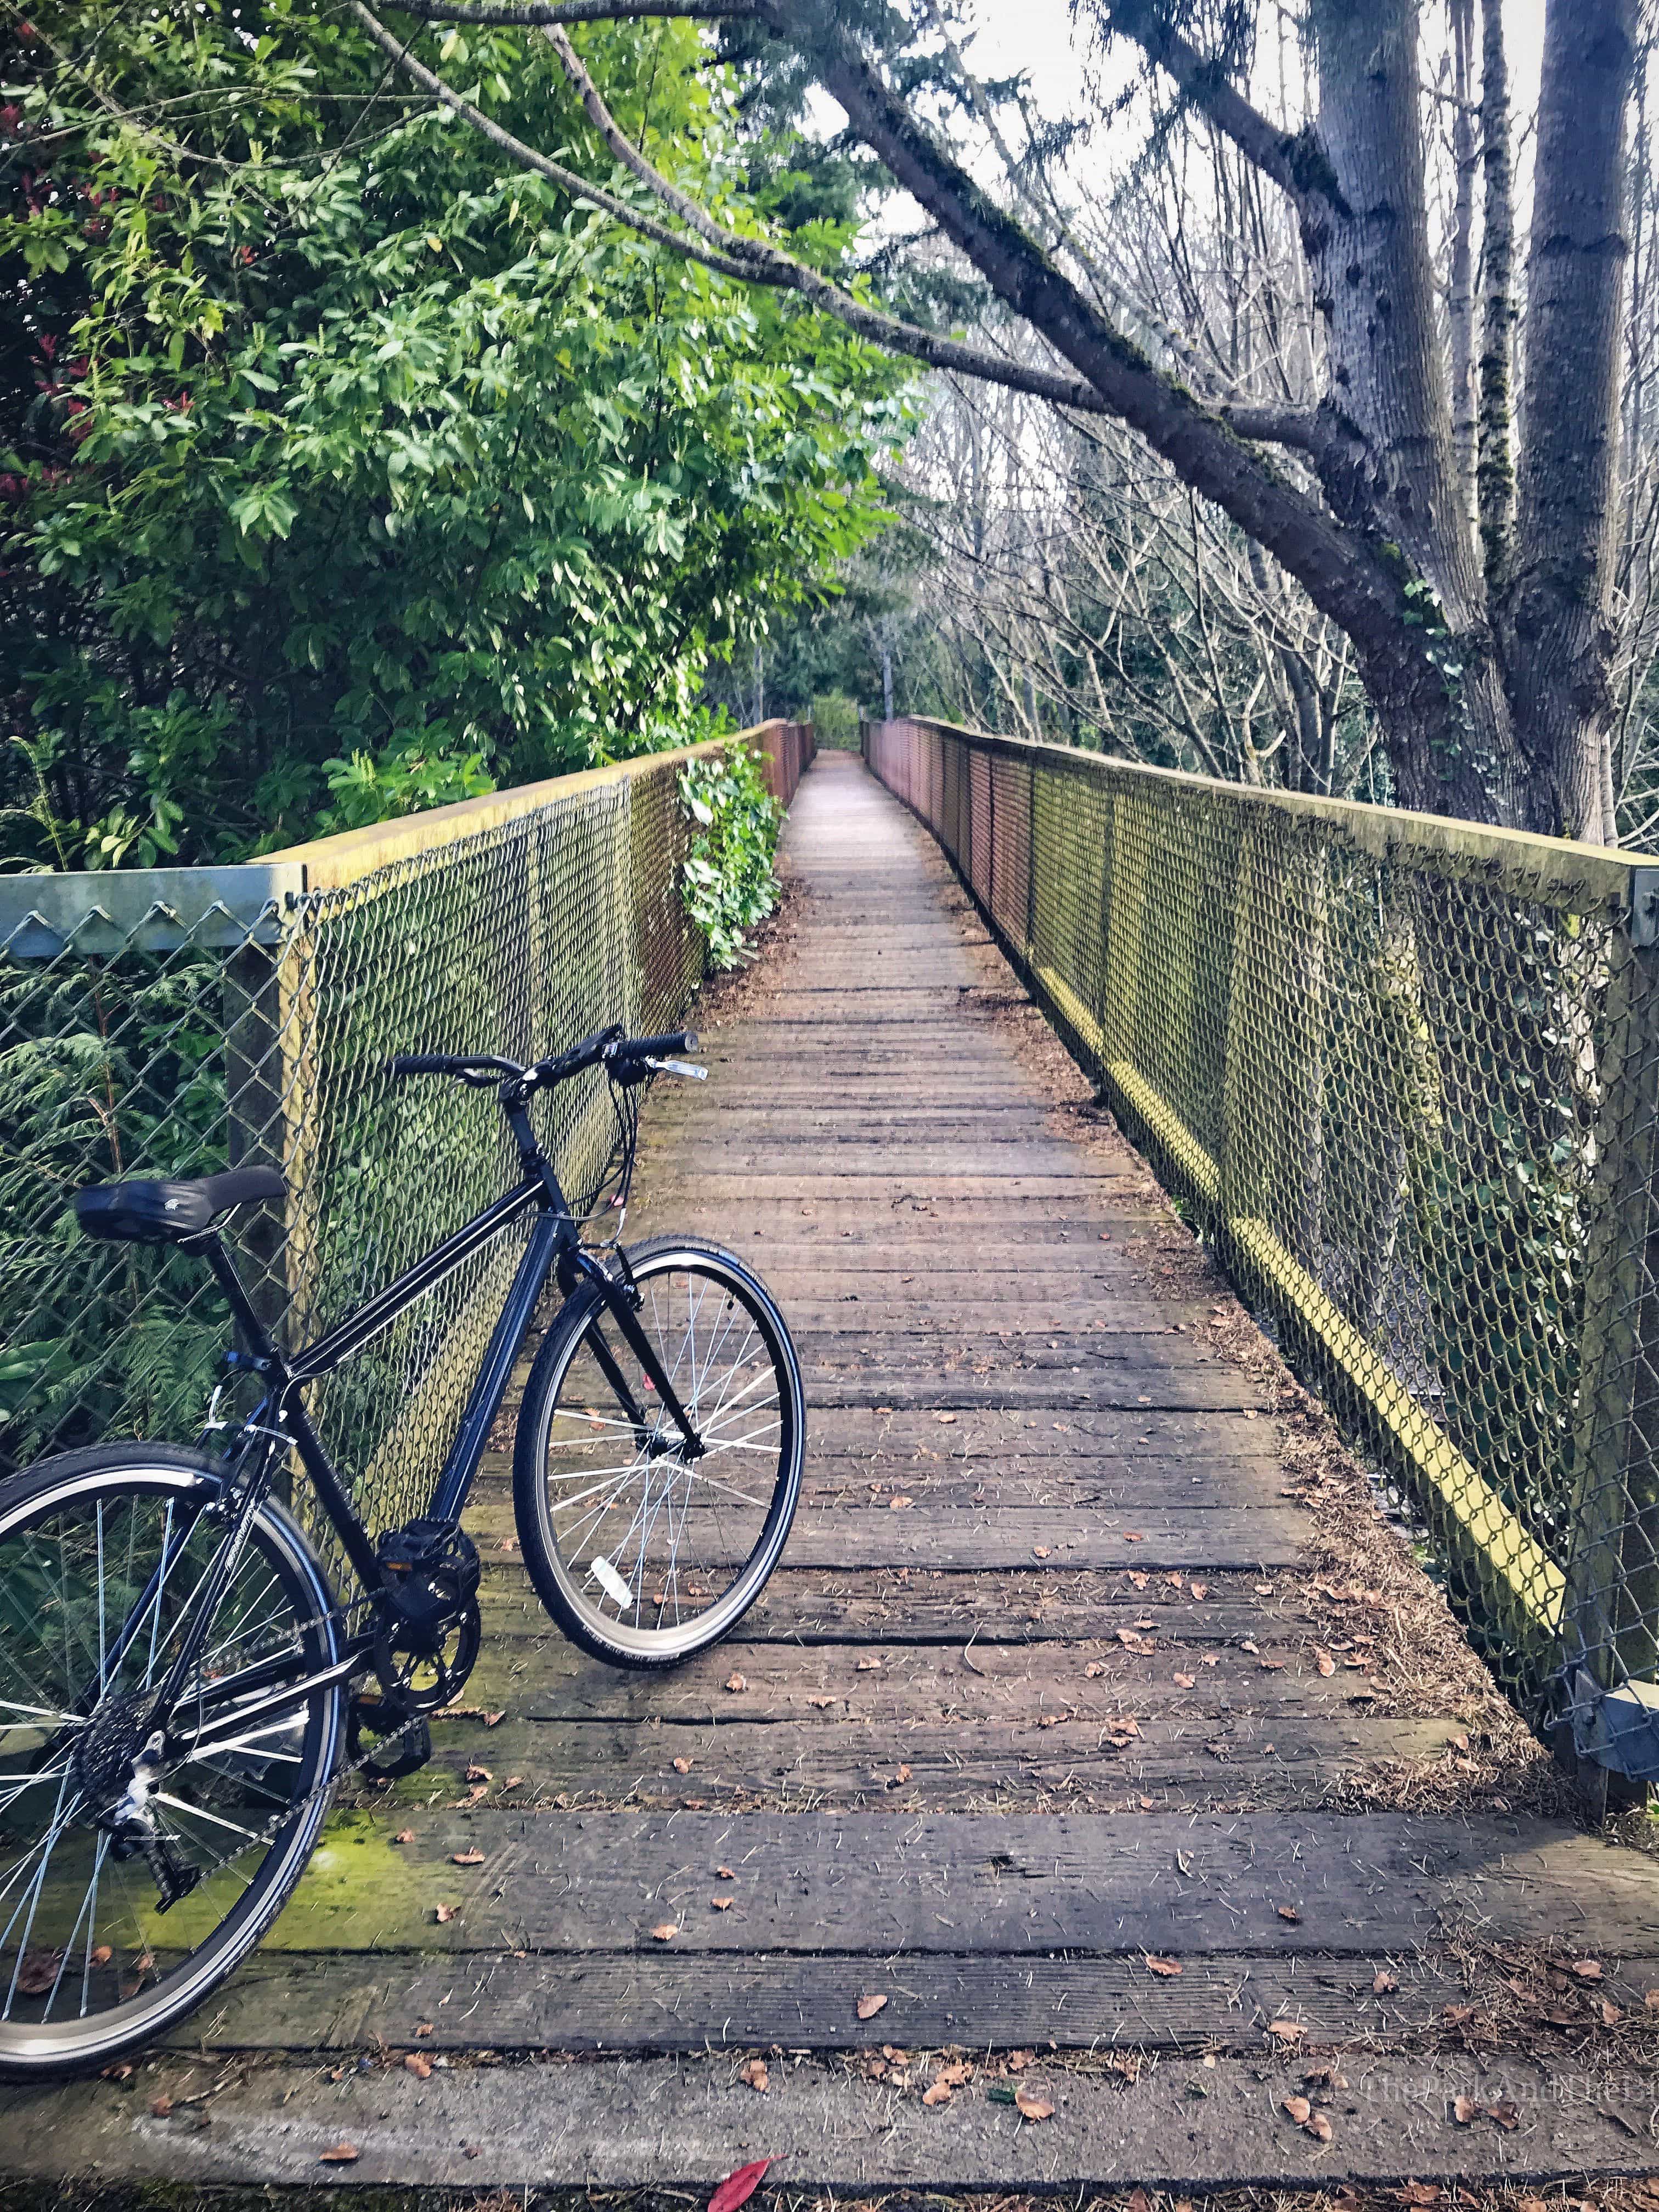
{"x":1040,"y":1736}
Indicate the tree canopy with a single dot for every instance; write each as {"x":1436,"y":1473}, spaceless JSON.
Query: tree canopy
{"x":349,"y":467}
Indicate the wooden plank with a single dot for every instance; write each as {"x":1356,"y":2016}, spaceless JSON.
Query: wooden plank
{"x":907,"y":1685}
{"x":965,"y":1540}
{"x":1026,"y":1886}
{"x":627,"y":2003}
{"x":809,"y":1606}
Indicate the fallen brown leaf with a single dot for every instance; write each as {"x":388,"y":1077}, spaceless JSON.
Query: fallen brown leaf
{"x":1299,"y":2109}
{"x":724,"y":1874}
{"x":1383,"y":1983}
{"x":1031,"y":2105}
{"x":404,"y":1836}
{"x":1156,"y":1965}
{"x":37,"y":1971}
{"x":424,"y":2028}
{"x":1287,"y":2031}
{"x":1289,"y":1913}
{"x":340,"y":2154}
{"x":939,"y":2094}
{"x":160,"y":2106}
{"x":682,"y":1765}
{"x":474,"y":1857}
{"x":665,"y":1931}
{"x":870,"y":2006}
{"x":1319,"y":2127}
{"x":735,"y":1681}
{"x":420,"y":2067}
{"x":1323,"y":1661}
{"x":445,"y":1913}
{"x":755,"y":2074}
{"x":1588,"y":1970}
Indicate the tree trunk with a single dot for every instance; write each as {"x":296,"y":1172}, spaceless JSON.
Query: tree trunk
{"x":1557,"y":620}
{"x":1461,"y":299}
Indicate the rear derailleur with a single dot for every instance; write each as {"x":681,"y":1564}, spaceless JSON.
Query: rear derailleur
{"x":426,"y":1633}
{"x":117,"y":1751}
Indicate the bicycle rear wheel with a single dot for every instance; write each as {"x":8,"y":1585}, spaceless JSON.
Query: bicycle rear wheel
{"x":102,"y":1556}
{"x":642,"y":1552}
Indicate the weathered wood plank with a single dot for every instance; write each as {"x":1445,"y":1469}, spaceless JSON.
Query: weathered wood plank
{"x":877,"y":1884}
{"x":627,"y":2003}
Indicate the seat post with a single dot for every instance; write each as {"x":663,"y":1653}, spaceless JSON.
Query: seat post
{"x":211,"y":1245}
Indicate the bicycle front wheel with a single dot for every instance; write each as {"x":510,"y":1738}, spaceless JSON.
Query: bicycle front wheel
{"x":643,"y":1552}
{"x":104,"y":1560}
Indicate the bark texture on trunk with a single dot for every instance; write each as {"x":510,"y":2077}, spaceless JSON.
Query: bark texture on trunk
{"x":1556,"y":618}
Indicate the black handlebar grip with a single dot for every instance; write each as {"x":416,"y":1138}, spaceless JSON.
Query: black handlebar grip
{"x":662,"y":1047}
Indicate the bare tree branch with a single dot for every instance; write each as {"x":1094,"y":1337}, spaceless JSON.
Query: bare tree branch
{"x":1292,"y":158}
{"x":1299,"y":427}
{"x":1346,"y":579}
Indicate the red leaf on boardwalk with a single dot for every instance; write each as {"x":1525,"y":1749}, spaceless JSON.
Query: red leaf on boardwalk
{"x":737,"y":2188}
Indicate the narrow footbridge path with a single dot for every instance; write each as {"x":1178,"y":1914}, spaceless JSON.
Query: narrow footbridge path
{"x":1044,"y":1772}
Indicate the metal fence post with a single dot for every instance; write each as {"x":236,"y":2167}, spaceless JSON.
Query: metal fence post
{"x":1611,"y":1624}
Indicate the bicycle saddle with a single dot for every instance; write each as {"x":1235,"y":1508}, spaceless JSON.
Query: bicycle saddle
{"x":163,"y":1213}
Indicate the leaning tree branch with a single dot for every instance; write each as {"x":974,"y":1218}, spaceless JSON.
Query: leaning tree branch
{"x":1296,"y":427}
{"x":547,"y":15}
{"x":1340,"y":572}
{"x":1292,"y":158}
{"x":729,"y":252}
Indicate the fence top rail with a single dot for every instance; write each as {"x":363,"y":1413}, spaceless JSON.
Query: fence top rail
{"x":100,"y":909}
{"x":1558,"y":870}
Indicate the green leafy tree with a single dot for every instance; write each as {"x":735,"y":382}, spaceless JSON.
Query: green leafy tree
{"x":346,"y":469}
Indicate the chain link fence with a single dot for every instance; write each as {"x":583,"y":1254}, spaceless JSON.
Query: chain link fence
{"x":174,"y":1022}
{"x":1403,"y":1072}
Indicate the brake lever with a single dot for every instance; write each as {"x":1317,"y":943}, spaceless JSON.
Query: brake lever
{"x":677,"y":1067}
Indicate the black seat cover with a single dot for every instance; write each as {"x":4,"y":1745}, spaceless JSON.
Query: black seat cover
{"x":162,"y":1212}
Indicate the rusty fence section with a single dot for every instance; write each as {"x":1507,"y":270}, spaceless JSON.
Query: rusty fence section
{"x":1404,"y":1072}
{"x":786,"y":750}
{"x":173,"y":1022}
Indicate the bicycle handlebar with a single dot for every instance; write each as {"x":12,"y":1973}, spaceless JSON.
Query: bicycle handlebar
{"x":626,"y":1055}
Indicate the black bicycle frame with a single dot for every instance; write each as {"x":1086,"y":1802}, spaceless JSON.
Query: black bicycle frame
{"x":554,"y":1243}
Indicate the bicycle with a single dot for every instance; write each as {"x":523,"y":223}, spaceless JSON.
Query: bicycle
{"x":181,"y":1688}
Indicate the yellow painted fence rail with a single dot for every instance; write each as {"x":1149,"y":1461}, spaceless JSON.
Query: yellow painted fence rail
{"x":1403,"y":1072}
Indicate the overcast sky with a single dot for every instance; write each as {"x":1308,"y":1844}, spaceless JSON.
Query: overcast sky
{"x":1037,"y":35}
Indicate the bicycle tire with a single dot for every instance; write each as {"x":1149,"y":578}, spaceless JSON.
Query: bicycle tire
{"x":560,"y":1419}
{"x":116,"y":1937}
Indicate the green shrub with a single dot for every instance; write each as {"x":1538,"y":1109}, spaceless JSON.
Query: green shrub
{"x":835,"y":720}
{"x":728,"y":881}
